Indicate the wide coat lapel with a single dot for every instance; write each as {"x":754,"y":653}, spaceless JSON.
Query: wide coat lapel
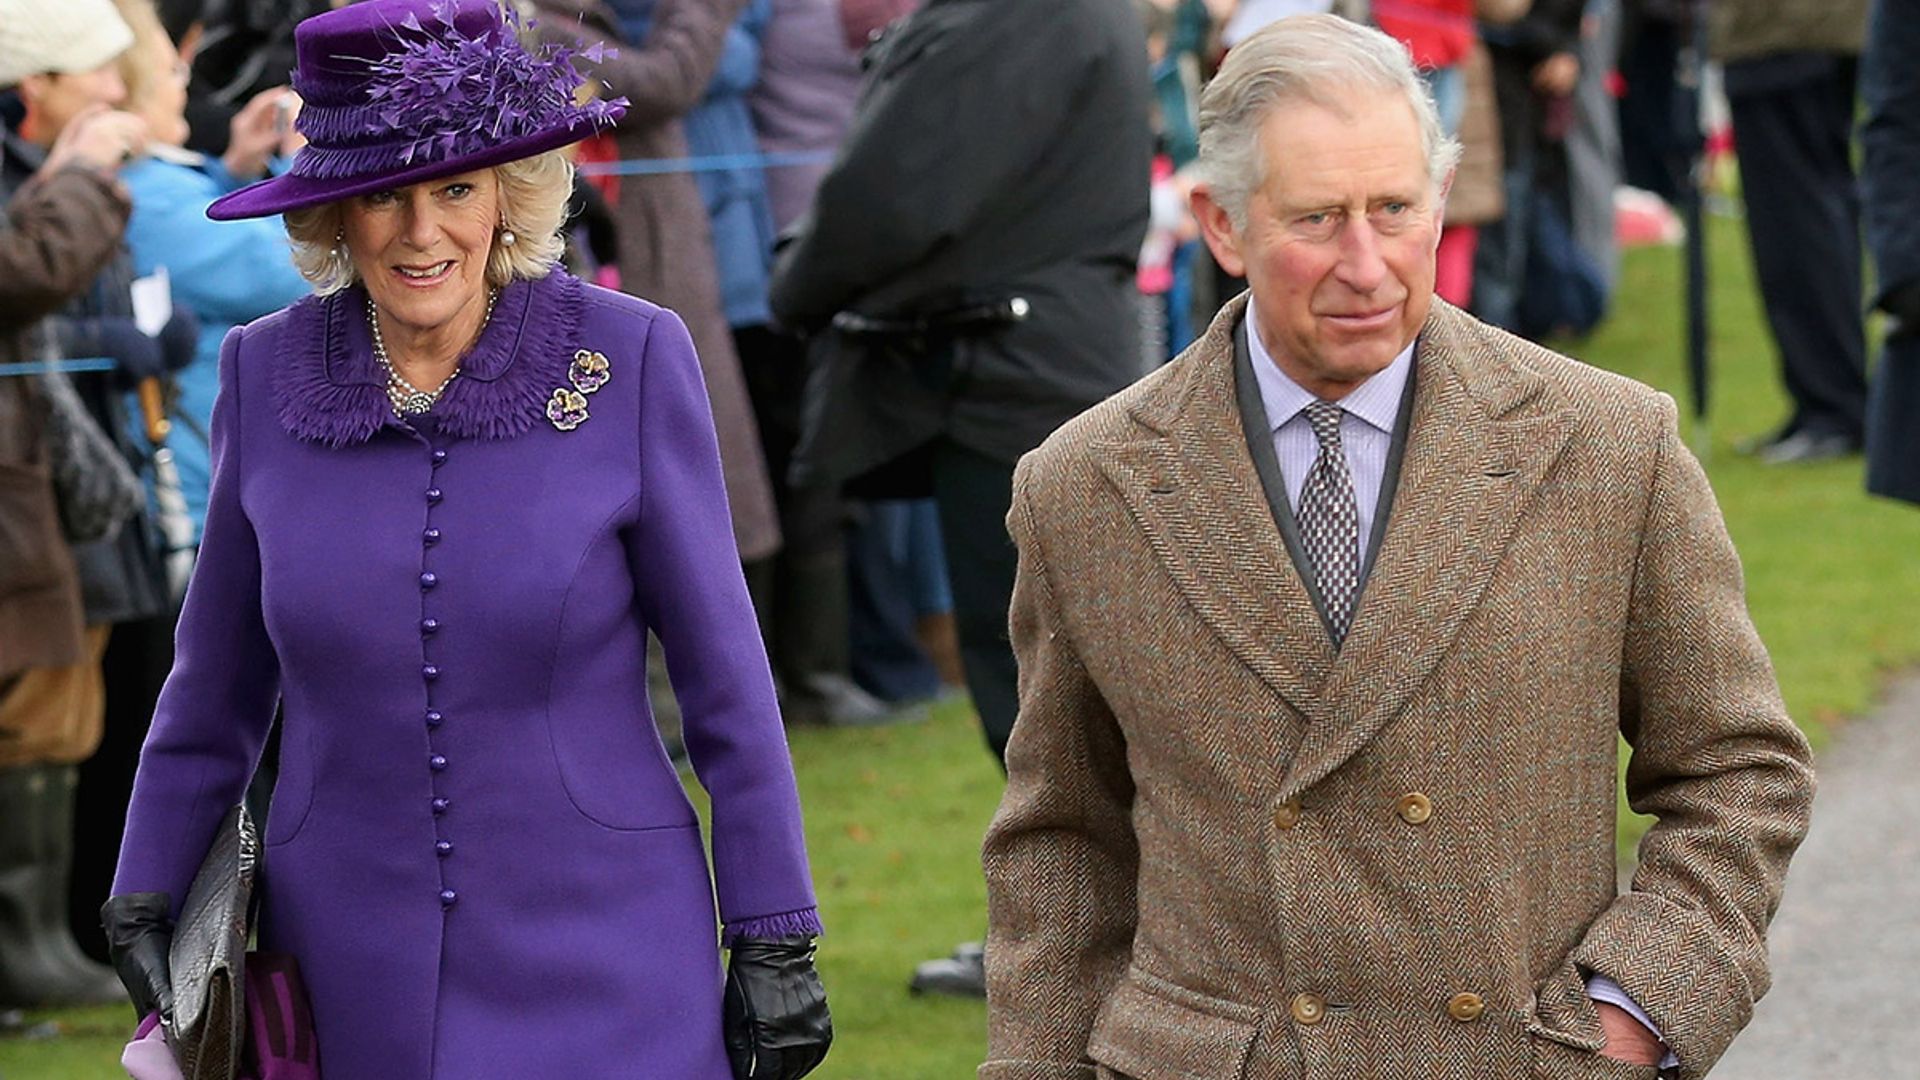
{"x":1470,"y":471}
{"x":1191,"y":487}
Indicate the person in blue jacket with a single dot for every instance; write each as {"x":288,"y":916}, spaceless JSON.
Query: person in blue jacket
{"x":226,"y":272}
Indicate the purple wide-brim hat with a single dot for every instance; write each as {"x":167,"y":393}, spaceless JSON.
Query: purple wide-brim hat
{"x":396,"y":92}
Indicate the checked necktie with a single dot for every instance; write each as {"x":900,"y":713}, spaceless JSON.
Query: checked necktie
{"x":1329,"y":520}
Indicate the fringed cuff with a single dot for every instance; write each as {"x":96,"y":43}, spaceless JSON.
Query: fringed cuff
{"x":802,"y":923}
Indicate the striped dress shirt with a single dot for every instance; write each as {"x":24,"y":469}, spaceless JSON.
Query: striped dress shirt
{"x":1366,"y":431}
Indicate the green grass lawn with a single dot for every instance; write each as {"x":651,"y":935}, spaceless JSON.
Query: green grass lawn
{"x":894,"y":816}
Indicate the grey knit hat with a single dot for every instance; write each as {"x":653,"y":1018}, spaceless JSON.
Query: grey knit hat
{"x":58,"y":36}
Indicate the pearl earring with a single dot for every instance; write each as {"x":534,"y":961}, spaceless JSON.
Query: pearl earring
{"x":507,"y":239}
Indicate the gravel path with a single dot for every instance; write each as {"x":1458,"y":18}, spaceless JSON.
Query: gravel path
{"x":1845,"y":1003}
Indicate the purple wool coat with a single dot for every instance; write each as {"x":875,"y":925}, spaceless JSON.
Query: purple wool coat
{"x":478,"y":850}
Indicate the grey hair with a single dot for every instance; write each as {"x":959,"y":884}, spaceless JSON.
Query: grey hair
{"x":1303,"y":58}
{"x":533,"y":205}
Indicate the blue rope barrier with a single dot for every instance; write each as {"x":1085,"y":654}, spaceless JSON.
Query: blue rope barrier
{"x":65,"y":367}
{"x":718,"y":163}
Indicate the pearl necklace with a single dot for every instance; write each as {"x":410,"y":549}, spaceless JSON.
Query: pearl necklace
{"x":406,"y":398}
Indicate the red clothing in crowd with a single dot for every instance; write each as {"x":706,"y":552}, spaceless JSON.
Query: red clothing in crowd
{"x":1438,"y":33}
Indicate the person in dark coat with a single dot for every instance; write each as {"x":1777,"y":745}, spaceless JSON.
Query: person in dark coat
{"x":452,"y":494}
{"x":58,"y":230}
{"x":129,"y":599}
{"x":57,"y":73}
{"x":967,"y":270}
{"x":1890,"y":82}
{"x":973,"y":192}
{"x":1790,"y":72}
{"x":1536,"y":66}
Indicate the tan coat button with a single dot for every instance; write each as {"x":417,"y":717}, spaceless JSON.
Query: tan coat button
{"x":1287,"y":814}
{"x":1309,"y":1008}
{"x":1414,"y":808}
{"x":1466,"y":1007}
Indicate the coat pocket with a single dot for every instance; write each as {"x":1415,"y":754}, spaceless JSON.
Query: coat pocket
{"x":1558,"y":1061}
{"x":1151,"y":1029}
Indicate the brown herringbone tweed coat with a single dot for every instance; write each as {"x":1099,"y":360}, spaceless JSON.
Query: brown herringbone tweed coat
{"x":1228,"y":851}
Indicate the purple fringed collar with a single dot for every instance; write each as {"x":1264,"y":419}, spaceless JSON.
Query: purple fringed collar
{"x":331,"y":391}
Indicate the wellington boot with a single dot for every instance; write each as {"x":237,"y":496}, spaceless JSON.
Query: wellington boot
{"x":29,"y":972}
{"x":91,"y":982}
{"x":36,"y":948}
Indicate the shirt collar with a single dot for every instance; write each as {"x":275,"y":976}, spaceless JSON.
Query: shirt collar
{"x":1376,"y":401}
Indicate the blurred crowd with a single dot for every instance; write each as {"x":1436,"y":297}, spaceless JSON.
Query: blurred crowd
{"x":907,"y":243}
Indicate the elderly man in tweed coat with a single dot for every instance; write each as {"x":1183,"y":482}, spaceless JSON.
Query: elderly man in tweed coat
{"x":1328,"y":631}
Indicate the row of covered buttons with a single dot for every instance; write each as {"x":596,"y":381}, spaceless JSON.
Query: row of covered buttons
{"x":436,"y":762}
{"x":1413,"y":808}
{"x":1310,"y":1009}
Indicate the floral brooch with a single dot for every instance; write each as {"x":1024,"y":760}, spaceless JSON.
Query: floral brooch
{"x":567,"y":408}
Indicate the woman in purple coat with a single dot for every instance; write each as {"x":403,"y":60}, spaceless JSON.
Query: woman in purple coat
{"x":451,"y":494}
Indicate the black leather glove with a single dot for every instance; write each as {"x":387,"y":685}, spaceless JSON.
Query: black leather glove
{"x":118,"y":339}
{"x":139,"y":933}
{"x":180,"y":338}
{"x":774,"y":1015}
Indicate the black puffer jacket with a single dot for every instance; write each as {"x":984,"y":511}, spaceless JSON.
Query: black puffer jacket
{"x":1001,"y":149}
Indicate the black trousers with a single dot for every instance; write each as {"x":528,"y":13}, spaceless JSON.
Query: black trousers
{"x":1793,"y":119}
{"x":888,"y":660}
{"x":801,"y":591}
{"x":974,"y":493}
{"x":138,"y":657}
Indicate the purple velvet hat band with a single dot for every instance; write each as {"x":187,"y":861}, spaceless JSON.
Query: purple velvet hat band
{"x":396,"y":92}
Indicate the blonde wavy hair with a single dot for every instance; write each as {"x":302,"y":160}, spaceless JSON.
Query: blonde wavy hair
{"x":533,"y":205}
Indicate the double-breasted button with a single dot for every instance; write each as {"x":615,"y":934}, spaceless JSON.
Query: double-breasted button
{"x":438,"y":763}
{"x":1308,"y":1008}
{"x":429,"y":672}
{"x":1466,"y":1007}
{"x":447,"y":897}
{"x":1414,"y":808}
{"x":434,"y":717}
{"x":430,"y":537}
{"x":1287,"y":814}
{"x":443,"y":848}
{"x":440,"y":804}
{"x":429,"y":627}
{"x":429,"y":579}
{"x":434,"y":494}
{"x":439,"y":458}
